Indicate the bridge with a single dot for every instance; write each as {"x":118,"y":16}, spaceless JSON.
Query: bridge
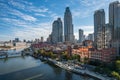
{"x":5,"y":55}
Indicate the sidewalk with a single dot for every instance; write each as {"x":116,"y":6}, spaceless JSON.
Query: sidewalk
{"x":81,"y":71}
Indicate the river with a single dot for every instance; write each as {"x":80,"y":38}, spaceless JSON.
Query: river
{"x":29,"y":68}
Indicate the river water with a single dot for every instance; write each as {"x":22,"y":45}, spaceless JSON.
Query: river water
{"x":29,"y":68}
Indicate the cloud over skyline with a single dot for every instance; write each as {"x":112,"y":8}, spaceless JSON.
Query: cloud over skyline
{"x":32,"y":19}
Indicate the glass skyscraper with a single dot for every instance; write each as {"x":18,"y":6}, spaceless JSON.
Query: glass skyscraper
{"x":99,"y":26}
{"x":57,"y":31}
{"x":114,"y":21}
{"x":81,"y":35}
{"x":68,"y":26}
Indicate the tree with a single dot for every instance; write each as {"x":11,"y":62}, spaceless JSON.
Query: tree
{"x":116,"y":75}
{"x":85,"y":60}
{"x":118,"y":57}
{"x":97,"y":69}
{"x":117,"y":63}
{"x":78,"y":57}
{"x":53,"y":56}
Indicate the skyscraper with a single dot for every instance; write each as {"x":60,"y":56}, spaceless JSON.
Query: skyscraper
{"x":108,"y":35}
{"x":114,"y":21}
{"x":80,"y":35}
{"x":91,"y":37}
{"x":68,"y":26}
{"x":99,"y":23}
{"x":42,"y":39}
{"x":114,"y":18}
{"x":57,"y":31}
{"x":60,"y":30}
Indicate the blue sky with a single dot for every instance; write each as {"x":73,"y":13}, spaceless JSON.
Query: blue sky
{"x":30,"y":19}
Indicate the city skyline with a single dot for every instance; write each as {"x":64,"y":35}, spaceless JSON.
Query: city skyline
{"x":25,"y":19}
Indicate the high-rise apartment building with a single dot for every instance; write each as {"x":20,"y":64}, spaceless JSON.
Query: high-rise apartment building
{"x":81,"y":36}
{"x":114,"y":21}
{"x":91,"y":37}
{"x":99,"y":28}
{"x":68,"y":26}
{"x":108,"y":35}
{"x":57,"y":31}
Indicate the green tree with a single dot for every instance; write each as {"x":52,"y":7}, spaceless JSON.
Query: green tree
{"x":118,"y":57}
{"x":64,"y":55}
{"x":78,"y":57}
{"x":116,"y":75}
{"x":53,"y":56}
{"x":85,"y":60}
{"x":117,"y":63}
{"x":97,"y":69}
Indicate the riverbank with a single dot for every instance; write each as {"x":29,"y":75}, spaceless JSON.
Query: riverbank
{"x":78,"y":70}
{"x":72,"y":68}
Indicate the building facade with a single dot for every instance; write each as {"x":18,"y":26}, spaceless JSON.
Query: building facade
{"x":108,"y":36}
{"x":81,"y":35}
{"x":57,"y":31}
{"x":91,"y":37}
{"x":104,"y":55}
{"x":68,"y":26}
{"x":99,"y":25}
{"x":114,"y":21}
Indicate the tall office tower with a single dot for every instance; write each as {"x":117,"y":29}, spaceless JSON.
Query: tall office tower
{"x":60,"y":30}
{"x":57,"y":31}
{"x":41,"y":39}
{"x":80,"y":35}
{"x":49,"y":39}
{"x":91,"y":37}
{"x":84,"y":37}
{"x":68,"y":26}
{"x":99,"y":23}
{"x":113,"y":15}
{"x":16,"y":40}
{"x":108,"y":36}
{"x":114,"y":21}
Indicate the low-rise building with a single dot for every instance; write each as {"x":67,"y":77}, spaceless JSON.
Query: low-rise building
{"x":82,"y":51}
{"x":87,"y":43}
{"x":104,"y":55}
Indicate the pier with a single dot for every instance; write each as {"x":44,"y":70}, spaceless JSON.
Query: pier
{"x":3,"y":55}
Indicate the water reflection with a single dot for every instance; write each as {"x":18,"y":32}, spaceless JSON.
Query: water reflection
{"x":68,"y":75}
{"x":20,"y":68}
{"x":5,"y":60}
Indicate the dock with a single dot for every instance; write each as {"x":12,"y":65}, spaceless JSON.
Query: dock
{"x":79,"y":71}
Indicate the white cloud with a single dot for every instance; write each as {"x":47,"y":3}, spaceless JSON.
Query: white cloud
{"x":81,"y":13}
{"x":36,"y":9}
{"x":34,"y":31}
{"x":4,"y":37}
{"x":28,"y":6}
{"x":39,"y":14}
{"x":16,"y":22}
{"x":17,"y":4}
{"x":26,"y":30}
{"x":53,"y":15}
{"x":89,"y":6}
{"x":22,"y":15}
{"x":28,"y":17}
